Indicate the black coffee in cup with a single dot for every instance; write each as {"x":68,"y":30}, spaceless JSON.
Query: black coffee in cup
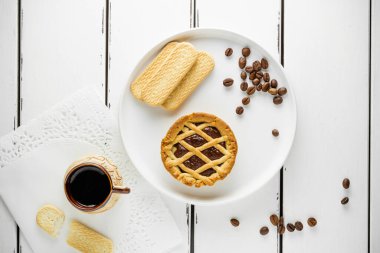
{"x":88,"y":186}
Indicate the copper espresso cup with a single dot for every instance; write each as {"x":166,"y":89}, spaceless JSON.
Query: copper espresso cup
{"x":114,"y":188}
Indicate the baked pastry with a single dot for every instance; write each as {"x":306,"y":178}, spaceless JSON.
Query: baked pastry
{"x":88,"y":240}
{"x":199,"y":149}
{"x":200,"y":70}
{"x":50,"y":219}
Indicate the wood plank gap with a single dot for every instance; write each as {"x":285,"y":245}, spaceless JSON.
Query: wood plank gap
{"x":281,"y":45}
{"x":106,"y":31}
{"x":369,"y":125}
{"x":19,"y":76}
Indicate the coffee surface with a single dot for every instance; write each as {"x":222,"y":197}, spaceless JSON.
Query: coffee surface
{"x":89,"y":186}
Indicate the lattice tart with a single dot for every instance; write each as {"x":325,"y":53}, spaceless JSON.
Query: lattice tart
{"x":199,"y":149}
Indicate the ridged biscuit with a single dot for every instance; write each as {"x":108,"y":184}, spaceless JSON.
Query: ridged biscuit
{"x":145,"y":77}
{"x":50,"y":219}
{"x":88,"y":240}
{"x":170,"y":74}
{"x":200,"y":70}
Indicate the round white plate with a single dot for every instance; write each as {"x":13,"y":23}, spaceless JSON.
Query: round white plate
{"x":260,"y":155}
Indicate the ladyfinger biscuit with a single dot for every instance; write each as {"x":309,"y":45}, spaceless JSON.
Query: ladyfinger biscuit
{"x":200,"y":70}
{"x":144,"y":78}
{"x":85,"y":239}
{"x":168,"y":77}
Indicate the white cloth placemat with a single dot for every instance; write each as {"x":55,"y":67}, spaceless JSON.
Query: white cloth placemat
{"x":34,"y":158}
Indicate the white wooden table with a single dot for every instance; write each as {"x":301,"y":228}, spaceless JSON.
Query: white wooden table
{"x":331,"y":53}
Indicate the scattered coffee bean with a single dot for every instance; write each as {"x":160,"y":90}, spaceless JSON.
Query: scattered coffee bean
{"x":272,"y":91}
{"x":244,"y":86}
{"x":281,"y":220}
{"x":290,"y":227}
{"x":259,"y":74}
{"x":256,"y":81}
{"x":259,"y":87}
{"x":346,"y":183}
{"x":275,"y":133}
{"x":249,"y":69}
{"x":274,"y":219}
{"x":264,"y":63}
{"x":312,"y":222}
{"x":246,"y":52}
{"x":252,"y":76}
{"x":228,"y":82}
{"x":239,"y":110}
{"x":273,"y":83}
{"x":251,"y":90}
{"x":266,"y":86}
{"x":281,"y":229}
{"x":298,"y":225}
{"x":242,"y":62}
{"x":344,"y":200}
{"x":266,"y":77}
{"x":256,"y":65}
{"x":235,"y":222}
{"x":229,"y":51}
{"x":264,"y":230}
{"x":245,"y":101}
{"x":282,"y":91}
{"x":277,"y":100}
{"x":243,"y":75}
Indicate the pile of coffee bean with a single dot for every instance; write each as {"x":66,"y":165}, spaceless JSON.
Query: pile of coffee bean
{"x":346,"y":184}
{"x":279,"y":223}
{"x":258,"y":74}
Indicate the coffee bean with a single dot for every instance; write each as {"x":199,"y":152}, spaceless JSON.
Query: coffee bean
{"x":243,"y":75}
{"x":264,"y":63}
{"x":251,"y":90}
{"x":246,"y":52}
{"x":266,"y":77}
{"x":256,"y":65}
{"x":249,"y":69}
{"x":344,"y":200}
{"x":259,"y":87}
{"x":244,"y":86}
{"x":346,"y":183}
{"x":272,"y":91}
{"x":266,"y":86}
{"x":290,"y":227}
{"x":282,"y":91}
{"x":256,"y":81}
{"x":239,"y":110}
{"x":228,"y":82}
{"x":312,"y":222}
{"x":259,"y":74}
{"x":273,"y":83}
{"x":252,"y":76}
{"x":277,"y":100}
{"x":275,"y":132}
{"x":281,"y":229}
{"x":274,"y":219}
{"x":242,"y":62}
{"x":298,"y":225}
{"x":281,"y":221}
{"x":235,"y":222}
{"x":229,"y":51}
{"x":264,"y":230}
{"x":245,"y":101}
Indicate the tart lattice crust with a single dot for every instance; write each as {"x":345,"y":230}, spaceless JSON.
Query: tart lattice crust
{"x":202,"y":141}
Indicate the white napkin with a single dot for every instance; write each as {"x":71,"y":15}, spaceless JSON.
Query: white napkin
{"x":34,"y":158}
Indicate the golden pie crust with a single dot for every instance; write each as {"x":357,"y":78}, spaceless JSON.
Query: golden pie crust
{"x":222,"y":147}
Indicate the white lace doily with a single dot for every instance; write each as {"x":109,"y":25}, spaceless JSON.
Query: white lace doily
{"x":84,"y":117}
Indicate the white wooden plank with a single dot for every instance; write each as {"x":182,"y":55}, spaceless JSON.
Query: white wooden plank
{"x":135,"y":27}
{"x":8,"y":103}
{"x":375,"y":130}
{"x":62,"y":50}
{"x":213,"y":231}
{"x":326,"y":59}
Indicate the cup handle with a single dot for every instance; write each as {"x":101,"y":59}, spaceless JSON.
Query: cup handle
{"x":121,"y":189}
